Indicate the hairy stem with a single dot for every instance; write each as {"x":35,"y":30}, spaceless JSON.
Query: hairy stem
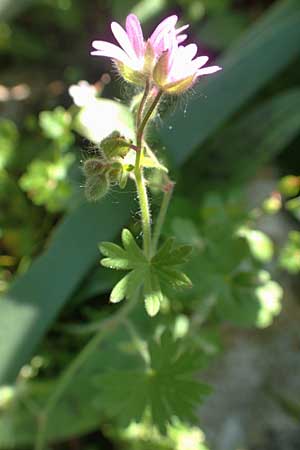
{"x":142,"y":105}
{"x":68,"y":375}
{"x":139,"y":177}
{"x":148,"y":114}
{"x":145,"y":210}
{"x":162,"y":214}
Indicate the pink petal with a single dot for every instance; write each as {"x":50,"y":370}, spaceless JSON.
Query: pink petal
{"x":190,"y":51}
{"x":172,"y":50}
{"x":179,"y":30}
{"x":197,"y":63}
{"x":164,"y":27}
{"x":111,"y":51}
{"x":121,"y":36}
{"x":135,"y":34}
{"x":208,"y":70}
{"x":181,"y":38}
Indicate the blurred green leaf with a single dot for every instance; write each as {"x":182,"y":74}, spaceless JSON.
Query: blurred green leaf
{"x":8,"y":141}
{"x":265,"y":50}
{"x":242,"y":148}
{"x":243,"y":295}
{"x":8,"y":8}
{"x":226,"y":266}
{"x":47,"y":184}
{"x":78,"y":412}
{"x":18,"y":422}
{"x":56,"y":124}
{"x":146,"y":10}
{"x":100,"y":118}
{"x":289,"y":258}
{"x":289,"y":185}
{"x":293,"y":206}
{"x":169,"y":387}
{"x":260,"y":244}
{"x":219,"y":31}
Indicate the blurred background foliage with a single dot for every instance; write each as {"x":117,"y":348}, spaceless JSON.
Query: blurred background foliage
{"x":232,"y":146}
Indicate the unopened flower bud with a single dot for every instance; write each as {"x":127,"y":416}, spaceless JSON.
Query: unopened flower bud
{"x":93,"y":166}
{"x":115,"y":145}
{"x":97,"y":186}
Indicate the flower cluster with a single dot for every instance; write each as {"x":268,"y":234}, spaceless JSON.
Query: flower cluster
{"x":162,"y":60}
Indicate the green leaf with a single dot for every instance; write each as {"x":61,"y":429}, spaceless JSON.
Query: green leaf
{"x":18,"y":422}
{"x":77,"y":412}
{"x":149,"y":274}
{"x":289,"y":258}
{"x":117,"y":257}
{"x":9,"y":137}
{"x":174,"y":278}
{"x":47,"y":183}
{"x":55,"y":124}
{"x":226,"y":269}
{"x":112,"y":250}
{"x":164,"y":250}
{"x":263,"y":51}
{"x":119,"y":291}
{"x":128,"y":285}
{"x":172,"y":254}
{"x":153,"y":294}
{"x":293,"y":206}
{"x":133,"y":250}
{"x":260,"y":244}
{"x":169,"y":388}
{"x":269,"y":296}
{"x":289,"y":185}
{"x":151,"y":163}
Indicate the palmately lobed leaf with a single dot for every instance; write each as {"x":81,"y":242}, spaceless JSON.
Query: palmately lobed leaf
{"x":151,"y":275}
{"x":134,"y":252}
{"x":116,"y":257}
{"x":128,"y":286}
{"x":174,"y":278}
{"x":172,"y":254}
{"x":168,"y":389}
{"x":152,"y":293}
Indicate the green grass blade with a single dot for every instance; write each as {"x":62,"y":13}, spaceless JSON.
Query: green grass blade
{"x":35,"y":299}
{"x":265,"y":50}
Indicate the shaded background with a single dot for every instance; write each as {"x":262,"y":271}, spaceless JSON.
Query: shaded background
{"x":229,"y":143}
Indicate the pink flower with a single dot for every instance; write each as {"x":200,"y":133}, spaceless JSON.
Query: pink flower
{"x":178,"y":68}
{"x":134,"y":57}
{"x":173,"y":67}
